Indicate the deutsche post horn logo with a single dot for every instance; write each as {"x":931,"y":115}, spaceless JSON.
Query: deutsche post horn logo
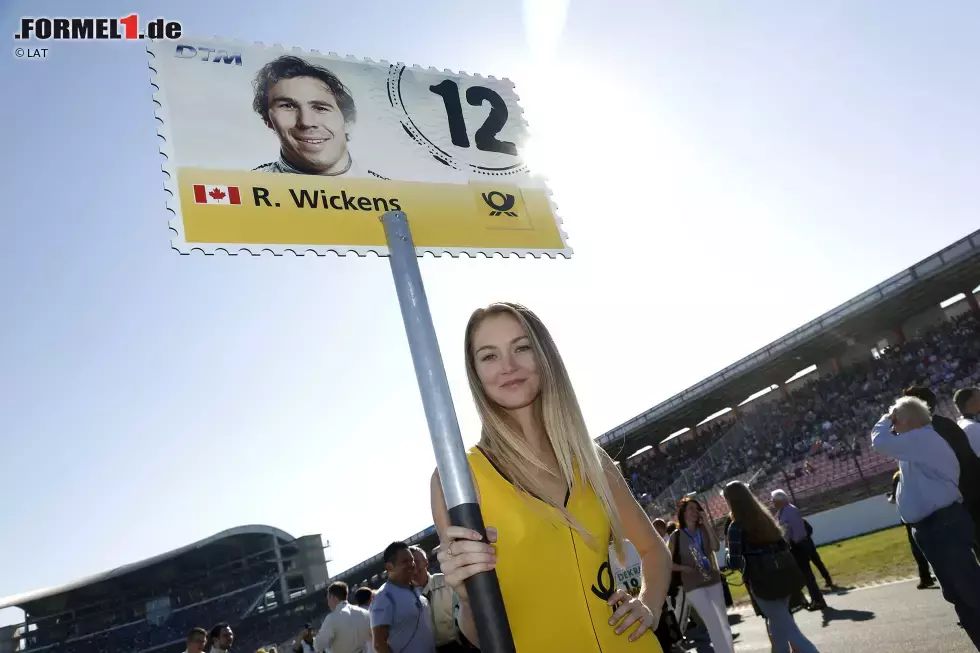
{"x":506,"y":203}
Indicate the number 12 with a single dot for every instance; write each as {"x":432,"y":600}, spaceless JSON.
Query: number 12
{"x":486,"y":135}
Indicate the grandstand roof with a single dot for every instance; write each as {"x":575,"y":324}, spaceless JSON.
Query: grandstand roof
{"x":240,"y":537}
{"x":887,"y":305}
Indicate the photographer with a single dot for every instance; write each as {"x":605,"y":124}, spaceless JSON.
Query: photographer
{"x":304,"y":643}
{"x":929,"y":498}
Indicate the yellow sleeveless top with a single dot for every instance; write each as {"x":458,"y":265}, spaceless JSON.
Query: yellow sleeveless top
{"x":555,"y":586}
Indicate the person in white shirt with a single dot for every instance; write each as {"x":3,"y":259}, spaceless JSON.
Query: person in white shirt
{"x":347,"y":629}
{"x":197,"y":639}
{"x":967,"y":401}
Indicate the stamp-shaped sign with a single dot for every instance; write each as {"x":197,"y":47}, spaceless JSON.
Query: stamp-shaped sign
{"x":278,"y":150}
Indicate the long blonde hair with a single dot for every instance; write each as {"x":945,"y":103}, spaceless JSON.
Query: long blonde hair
{"x":561,"y":418}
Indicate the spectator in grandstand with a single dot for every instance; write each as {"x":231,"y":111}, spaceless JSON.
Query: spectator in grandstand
{"x":304,"y":643}
{"x":660,"y":526}
{"x":694,"y":545}
{"x":556,"y":497}
{"x":801,"y":545}
{"x":925,"y":577}
{"x":833,"y":409}
{"x":347,"y":628}
{"x":441,"y":603}
{"x":755,"y":539}
{"x":197,"y":639}
{"x":400,"y":616}
{"x":929,"y":498}
{"x":363,"y":597}
{"x":967,"y":402}
{"x":221,"y":638}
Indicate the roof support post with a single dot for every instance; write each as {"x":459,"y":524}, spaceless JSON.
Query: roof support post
{"x":899,"y":335}
{"x":971,"y":300}
{"x":283,"y":588}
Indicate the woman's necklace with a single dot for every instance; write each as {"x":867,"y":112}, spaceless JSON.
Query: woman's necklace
{"x":697,"y":551}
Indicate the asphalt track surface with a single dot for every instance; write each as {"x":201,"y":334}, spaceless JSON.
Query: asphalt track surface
{"x":892,"y":618}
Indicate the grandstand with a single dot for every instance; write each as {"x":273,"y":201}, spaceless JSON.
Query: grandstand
{"x":259,"y":579}
{"x":888,"y":313}
{"x":796,"y":414}
{"x":150,"y":605}
{"x":764,"y":419}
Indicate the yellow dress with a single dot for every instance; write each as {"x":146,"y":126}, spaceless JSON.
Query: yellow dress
{"x":555,"y":586}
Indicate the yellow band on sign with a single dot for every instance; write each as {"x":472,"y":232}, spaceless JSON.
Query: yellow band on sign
{"x":247,"y":208}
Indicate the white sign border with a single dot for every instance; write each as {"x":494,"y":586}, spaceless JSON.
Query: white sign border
{"x":179,"y":243}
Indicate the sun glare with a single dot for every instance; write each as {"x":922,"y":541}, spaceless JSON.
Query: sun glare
{"x":544,"y":23}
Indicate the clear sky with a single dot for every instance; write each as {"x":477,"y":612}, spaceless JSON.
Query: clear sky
{"x":726,"y":172}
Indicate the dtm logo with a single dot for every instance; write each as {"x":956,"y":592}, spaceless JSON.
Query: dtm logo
{"x":205,"y":54}
{"x":500,"y":203}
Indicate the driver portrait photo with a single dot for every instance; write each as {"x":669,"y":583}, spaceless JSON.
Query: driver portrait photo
{"x":312,"y":113}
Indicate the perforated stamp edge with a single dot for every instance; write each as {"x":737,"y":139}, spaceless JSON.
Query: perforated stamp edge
{"x":180,"y":244}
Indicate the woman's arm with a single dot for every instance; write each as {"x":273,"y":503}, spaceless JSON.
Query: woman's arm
{"x":655,"y":563}
{"x":734,"y":548}
{"x":456,"y":575}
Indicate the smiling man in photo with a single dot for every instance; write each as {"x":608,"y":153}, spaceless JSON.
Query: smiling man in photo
{"x":311,"y":112}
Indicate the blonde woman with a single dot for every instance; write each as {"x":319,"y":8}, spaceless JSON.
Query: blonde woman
{"x":552,"y":501}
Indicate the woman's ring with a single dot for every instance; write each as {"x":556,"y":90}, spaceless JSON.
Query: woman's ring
{"x":449,"y":549}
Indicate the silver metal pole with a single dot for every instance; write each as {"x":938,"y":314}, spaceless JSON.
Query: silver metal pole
{"x":483,"y":589}
{"x":447,"y":443}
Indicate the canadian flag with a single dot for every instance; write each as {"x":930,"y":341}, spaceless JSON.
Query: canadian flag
{"x":216,"y":194}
